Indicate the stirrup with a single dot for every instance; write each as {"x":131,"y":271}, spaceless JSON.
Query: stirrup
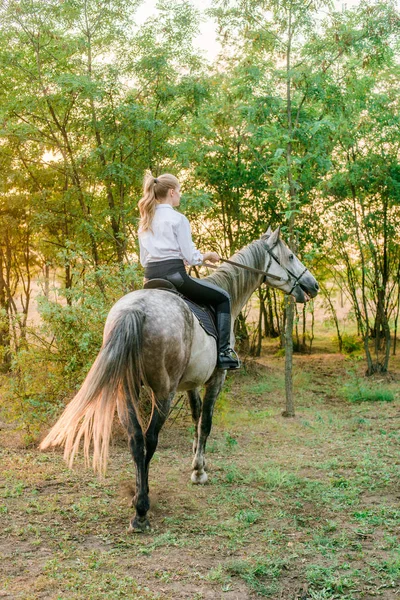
{"x":228,"y":360}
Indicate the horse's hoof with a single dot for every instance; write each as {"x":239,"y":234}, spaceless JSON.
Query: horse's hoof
{"x":199,"y":478}
{"x":199,"y":465}
{"x":139,"y":525}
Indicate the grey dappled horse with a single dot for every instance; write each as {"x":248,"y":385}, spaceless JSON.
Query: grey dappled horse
{"x":151,"y":338}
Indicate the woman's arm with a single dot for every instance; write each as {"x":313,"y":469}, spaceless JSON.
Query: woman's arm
{"x":190,"y":253}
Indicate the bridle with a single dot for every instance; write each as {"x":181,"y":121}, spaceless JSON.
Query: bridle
{"x":292,"y":276}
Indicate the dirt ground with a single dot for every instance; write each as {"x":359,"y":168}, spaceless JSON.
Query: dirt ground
{"x":304,"y":508}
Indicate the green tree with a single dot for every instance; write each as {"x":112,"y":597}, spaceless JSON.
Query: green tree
{"x":297,"y":57}
{"x":274,"y":52}
{"x":88,"y":103}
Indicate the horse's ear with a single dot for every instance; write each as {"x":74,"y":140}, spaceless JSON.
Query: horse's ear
{"x":274,"y":238}
{"x":266,"y":234}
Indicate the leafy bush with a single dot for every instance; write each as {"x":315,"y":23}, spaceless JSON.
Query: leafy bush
{"x":350,"y":344}
{"x":33,"y":393}
{"x":59,"y":352}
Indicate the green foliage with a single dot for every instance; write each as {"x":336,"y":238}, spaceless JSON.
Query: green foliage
{"x":33,"y":393}
{"x":74,"y":321}
{"x":351,"y":343}
{"x":298,"y":127}
{"x":248,"y":516}
{"x":51,"y":367}
{"x":230,"y":441}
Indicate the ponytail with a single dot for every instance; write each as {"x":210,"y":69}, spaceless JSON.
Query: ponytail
{"x":154,"y":191}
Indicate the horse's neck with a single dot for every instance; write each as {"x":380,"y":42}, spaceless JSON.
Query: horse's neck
{"x":238,"y":282}
{"x":237,"y":303}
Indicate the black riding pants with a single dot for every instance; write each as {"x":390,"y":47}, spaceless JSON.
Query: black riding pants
{"x":198,"y":290}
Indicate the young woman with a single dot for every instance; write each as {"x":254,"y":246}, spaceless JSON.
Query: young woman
{"x":166,"y":244}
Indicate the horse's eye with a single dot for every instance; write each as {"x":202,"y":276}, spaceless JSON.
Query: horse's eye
{"x":291,"y":257}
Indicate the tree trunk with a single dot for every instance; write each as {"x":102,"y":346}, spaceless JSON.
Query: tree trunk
{"x":327,"y":295}
{"x":255,"y":349}
{"x":297,"y":346}
{"x":395,"y":322}
{"x":46,"y":280}
{"x":241,"y":332}
{"x":269,"y":325}
{"x":289,"y":410}
{"x":312,"y":326}
{"x":276,"y":313}
{"x":283,"y":326}
{"x":5,"y":338}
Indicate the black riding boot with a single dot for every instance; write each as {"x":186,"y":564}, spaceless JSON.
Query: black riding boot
{"x":227,"y":358}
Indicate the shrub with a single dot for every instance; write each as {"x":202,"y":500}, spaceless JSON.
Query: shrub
{"x":50,"y":368}
{"x":350,"y":344}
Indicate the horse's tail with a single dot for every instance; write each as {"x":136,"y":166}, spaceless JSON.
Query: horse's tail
{"x":117,"y":369}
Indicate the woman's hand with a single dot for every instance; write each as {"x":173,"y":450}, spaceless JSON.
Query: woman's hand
{"x":211,"y":256}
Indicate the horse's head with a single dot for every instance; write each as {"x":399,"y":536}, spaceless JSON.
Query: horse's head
{"x":281,"y":262}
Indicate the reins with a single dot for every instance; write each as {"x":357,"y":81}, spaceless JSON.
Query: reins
{"x":252,"y":269}
{"x":296,"y":279}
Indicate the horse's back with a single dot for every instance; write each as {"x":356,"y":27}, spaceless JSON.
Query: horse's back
{"x":166,"y":316}
{"x":175,"y":348}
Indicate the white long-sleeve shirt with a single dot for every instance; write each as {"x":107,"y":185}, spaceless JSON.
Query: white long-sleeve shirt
{"x":169,"y":237}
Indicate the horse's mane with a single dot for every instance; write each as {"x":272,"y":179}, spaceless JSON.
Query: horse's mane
{"x":236,"y":280}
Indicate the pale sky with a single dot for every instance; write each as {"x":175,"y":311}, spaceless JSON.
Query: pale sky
{"x":206,"y":40}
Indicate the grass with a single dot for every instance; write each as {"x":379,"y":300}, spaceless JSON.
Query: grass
{"x":363,"y":393}
{"x":295,"y":508}
{"x":260,"y":575}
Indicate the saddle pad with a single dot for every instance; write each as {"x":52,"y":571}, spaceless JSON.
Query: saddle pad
{"x":204,"y":316}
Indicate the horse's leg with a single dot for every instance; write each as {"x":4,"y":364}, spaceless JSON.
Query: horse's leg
{"x":195,"y":407}
{"x":140,"y":501}
{"x":161,"y":408}
{"x":136,"y":443}
{"x":212,"y":390}
{"x":142,"y":448}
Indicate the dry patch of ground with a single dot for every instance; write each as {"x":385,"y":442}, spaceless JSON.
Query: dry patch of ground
{"x":304,"y":508}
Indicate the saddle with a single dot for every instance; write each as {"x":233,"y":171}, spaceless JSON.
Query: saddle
{"x":204,"y":314}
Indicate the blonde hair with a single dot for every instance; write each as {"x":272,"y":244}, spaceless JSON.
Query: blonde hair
{"x":155,"y":189}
